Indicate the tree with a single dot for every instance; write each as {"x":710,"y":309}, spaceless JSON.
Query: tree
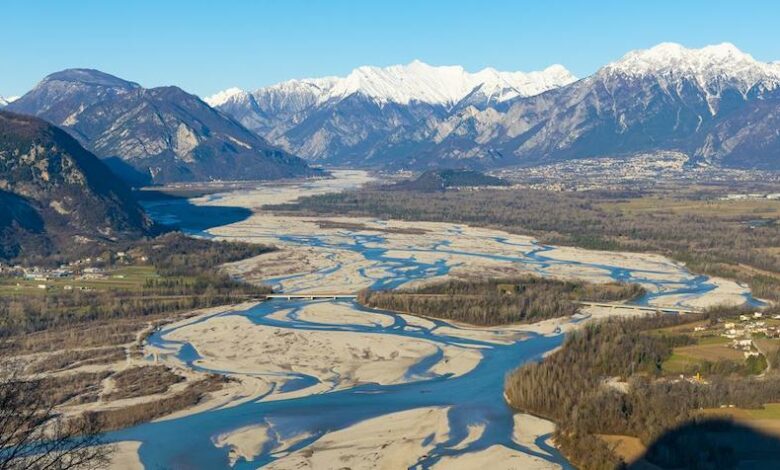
{"x":34,"y":436}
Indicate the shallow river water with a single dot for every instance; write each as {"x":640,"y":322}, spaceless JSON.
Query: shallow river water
{"x":474,"y":398}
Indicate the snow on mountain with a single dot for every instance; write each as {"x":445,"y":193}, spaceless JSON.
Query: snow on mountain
{"x":444,"y":85}
{"x":6,"y":101}
{"x":403,"y":84}
{"x":523,"y":84}
{"x":294,"y":96}
{"x":711,"y":67}
{"x":715,"y":104}
{"x":224,"y":96}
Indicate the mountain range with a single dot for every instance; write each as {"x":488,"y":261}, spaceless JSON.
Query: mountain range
{"x":376,"y":115}
{"x":57,"y":197}
{"x":156,"y":135}
{"x":716,"y":104}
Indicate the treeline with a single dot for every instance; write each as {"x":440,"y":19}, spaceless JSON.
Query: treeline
{"x":176,"y":254}
{"x":572,"y":387}
{"x":193,"y":394}
{"x":26,"y":314}
{"x":498,"y":301}
{"x":711,"y":243}
{"x":140,"y":381}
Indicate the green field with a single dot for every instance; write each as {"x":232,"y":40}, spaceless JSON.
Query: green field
{"x":128,"y":278}
{"x":709,"y":348}
{"x":769,"y":411}
{"x":680,"y":364}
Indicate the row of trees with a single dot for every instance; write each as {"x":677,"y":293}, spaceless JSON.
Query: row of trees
{"x":497,"y":301}
{"x":176,"y":254}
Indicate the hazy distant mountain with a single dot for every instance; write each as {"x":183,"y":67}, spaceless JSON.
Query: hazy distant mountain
{"x":55,"y":195}
{"x":374,"y":113}
{"x":161,"y":134}
{"x":716,"y":104}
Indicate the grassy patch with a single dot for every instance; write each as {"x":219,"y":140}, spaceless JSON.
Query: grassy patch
{"x":770,"y":411}
{"x":681,"y":364}
{"x":628,"y":448}
{"x":142,"y":381}
{"x":710,"y":352}
{"x":712,"y":340}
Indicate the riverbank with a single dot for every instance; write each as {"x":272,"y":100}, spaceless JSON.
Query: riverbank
{"x":332,"y":360}
{"x":316,"y":259}
{"x":276,"y":356}
{"x":322,"y":371}
{"x":693,"y":225}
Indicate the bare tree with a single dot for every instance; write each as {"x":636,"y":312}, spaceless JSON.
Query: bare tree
{"x":34,"y":436}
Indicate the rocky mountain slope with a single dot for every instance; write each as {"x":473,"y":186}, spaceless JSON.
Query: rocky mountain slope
{"x":55,"y":196}
{"x":154,"y":135}
{"x":717,"y":105}
{"x":375,"y":114}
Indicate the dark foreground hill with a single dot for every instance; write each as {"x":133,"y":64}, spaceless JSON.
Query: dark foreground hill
{"x":57,"y":197}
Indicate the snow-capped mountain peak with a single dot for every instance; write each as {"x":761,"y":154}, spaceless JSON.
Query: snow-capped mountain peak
{"x":312,"y":85}
{"x":224,"y":96}
{"x":442,"y":85}
{"x":5,"y":101}
{"x":303,"y":92}
{"x":403,"y":84}
{"x":525,"y":84}
{"x":709,"y":66}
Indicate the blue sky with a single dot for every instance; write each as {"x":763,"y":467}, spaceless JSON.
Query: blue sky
{"x":208,"y":46}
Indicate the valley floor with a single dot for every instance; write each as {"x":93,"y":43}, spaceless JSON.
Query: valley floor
{"x":278,"y":352}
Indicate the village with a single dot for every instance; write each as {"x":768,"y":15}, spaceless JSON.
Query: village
{"x":746,"y":344}
{"x":76,"y":275}
{"x":742,"y":332}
